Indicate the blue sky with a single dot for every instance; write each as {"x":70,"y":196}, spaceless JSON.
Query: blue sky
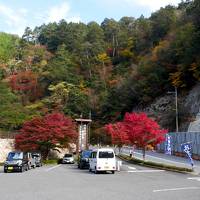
{"x":15,"y":15}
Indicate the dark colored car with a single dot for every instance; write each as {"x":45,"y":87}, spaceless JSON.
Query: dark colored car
{"x":16,"y":161}
{"x":83,"y":160}
{"x":38,"y":159}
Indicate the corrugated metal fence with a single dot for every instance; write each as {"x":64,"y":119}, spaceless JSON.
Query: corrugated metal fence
{"x":182,"y":137}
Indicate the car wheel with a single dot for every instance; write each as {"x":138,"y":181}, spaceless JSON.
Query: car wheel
{"x":81,"y":166}
{"x":22,"y":169}
{"x":96,"y":171}
{"x":29,"y":167}
{"x":90,"y":170}
{"x":113,"y":172}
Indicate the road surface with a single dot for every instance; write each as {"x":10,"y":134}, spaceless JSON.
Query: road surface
{"x":67,"y":182}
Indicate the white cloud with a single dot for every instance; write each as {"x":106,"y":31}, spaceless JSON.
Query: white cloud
{"x":14,"y":19}
{"x":58,"y":12}
{"x":153,"y":4}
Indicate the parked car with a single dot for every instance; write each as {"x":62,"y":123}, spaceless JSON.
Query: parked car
{"x":16,"y":161}
{"x":102,"y":160}
{"x":31,"y":160}
{"x":83,"y":160}
{"x":68,"y":158}
{"x":38,"y":159}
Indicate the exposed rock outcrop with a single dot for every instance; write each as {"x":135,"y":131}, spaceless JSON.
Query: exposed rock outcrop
{"x":6,"y":145}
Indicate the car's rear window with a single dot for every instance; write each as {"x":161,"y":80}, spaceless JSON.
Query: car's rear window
{"x":106,"y":154}
{"x":35,"y":155}
{"x":86,"y":154}
{"x":68,"y":155}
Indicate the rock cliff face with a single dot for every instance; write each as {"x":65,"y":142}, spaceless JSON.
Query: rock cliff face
{"x":163,"y":110}
{"x":193,"y":103}
{"x":6,"y":145}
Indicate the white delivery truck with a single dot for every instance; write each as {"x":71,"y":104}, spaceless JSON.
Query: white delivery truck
{"x":102,"y":160}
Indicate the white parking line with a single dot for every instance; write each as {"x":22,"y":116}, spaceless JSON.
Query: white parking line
{"x":194,"y":178}
{"x":51,"y":168}
{"x":177,"y":189}
{"x":145,"y":171}
{"x":131,"y":167}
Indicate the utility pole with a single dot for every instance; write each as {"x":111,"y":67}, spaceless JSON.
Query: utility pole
{"x":176,"y":99}
{"x":176,"y":103}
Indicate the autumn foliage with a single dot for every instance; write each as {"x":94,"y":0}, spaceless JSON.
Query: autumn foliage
{"x":45,"y":133}
{"x":23,"y":81}
{"x":118,"y":134}
{"x":136,"y":129}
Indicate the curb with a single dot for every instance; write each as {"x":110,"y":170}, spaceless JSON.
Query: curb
{"x":157,"y":165}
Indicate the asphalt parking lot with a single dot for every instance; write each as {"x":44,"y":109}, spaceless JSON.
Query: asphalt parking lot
{"x":59,"y":182}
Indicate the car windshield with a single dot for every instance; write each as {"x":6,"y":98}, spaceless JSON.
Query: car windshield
{"x":15,"y":156}
{"x":86,"y":154}
{"x":68,"y":155}
{"x":106,"y":154}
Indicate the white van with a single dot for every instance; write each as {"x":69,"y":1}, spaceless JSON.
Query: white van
{"x":102,"y":160}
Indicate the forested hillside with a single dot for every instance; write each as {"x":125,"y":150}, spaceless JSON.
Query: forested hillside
{"x":96,"y":70}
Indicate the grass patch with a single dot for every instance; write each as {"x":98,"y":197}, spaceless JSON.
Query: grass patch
{"x":154,"y":164}
{"x":50,"y":162}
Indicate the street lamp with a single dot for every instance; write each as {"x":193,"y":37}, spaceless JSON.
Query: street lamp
{"x":176,"y":103}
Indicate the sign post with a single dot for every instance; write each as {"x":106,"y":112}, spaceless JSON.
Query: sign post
{"x":187,"y":148}
{"x":168,"y":147}
{"x":84,"y":129}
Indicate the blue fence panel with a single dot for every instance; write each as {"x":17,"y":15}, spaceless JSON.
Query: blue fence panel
{"x":182,"y":137}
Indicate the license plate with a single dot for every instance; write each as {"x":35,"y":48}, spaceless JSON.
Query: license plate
{"x":10,"y":168}
{"x":106,"y":167}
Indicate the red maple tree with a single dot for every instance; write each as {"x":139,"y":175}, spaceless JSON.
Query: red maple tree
{"x":137,"y":129}
{"x":118,"y":134}
{"x":52,"y":131}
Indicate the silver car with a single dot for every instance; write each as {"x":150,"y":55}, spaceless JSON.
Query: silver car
{"x":68,"y":158}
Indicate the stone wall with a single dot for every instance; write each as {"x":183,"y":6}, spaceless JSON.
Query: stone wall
{"x":6,"y":145}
